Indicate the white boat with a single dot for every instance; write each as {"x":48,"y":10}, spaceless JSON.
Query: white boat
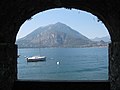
{"x":36,"y":58}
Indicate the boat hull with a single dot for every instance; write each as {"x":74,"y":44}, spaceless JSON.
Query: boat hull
{"x":36,"y":59}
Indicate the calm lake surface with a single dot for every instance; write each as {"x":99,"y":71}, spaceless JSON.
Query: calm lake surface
{"x":74,"y":64}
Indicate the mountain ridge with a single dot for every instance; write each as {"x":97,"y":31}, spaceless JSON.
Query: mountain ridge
{"x":55,"y":35}
{"x":105,"y":38}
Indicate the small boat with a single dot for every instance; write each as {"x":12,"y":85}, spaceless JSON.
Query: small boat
{"x":36,"y":58}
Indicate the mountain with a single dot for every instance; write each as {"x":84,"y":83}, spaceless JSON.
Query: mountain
{"x":55,"y":35}
{"x":105,"y":39}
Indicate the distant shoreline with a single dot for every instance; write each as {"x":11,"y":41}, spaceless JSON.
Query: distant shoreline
{"x":65,"y":47}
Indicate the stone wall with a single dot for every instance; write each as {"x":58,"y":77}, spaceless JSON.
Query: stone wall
{"x":8,"y":71}
{"x":114,"y":68}
{"x":13,"y":13}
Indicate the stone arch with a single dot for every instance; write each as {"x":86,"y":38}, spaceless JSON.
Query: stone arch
{"x":26,"y":11}
{"x":97,"y":8}
{"x":14,"y":13}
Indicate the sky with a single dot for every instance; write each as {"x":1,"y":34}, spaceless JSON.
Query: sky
{"x":81,"y":21}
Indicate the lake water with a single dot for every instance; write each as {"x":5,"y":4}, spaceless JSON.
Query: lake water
{"x":74,"y":64}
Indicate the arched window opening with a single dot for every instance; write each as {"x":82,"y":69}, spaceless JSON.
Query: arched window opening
{"x":74,"y":42}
